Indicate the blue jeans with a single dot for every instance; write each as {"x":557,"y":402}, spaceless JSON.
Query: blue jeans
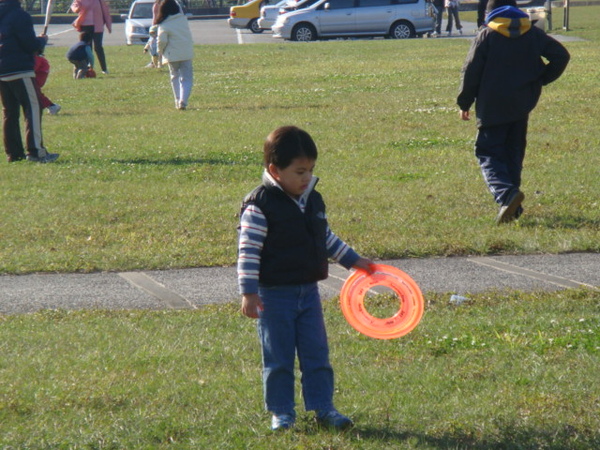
{"x":501,"y":151}
{"x":292,"y":322}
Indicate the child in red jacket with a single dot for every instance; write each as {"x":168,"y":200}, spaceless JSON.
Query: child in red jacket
{"x":42,"y":70}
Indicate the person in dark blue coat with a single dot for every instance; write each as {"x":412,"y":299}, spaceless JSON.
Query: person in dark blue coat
{"x":18,"y":43}
{"x":81,"y":56}
{"x":508,"y":63}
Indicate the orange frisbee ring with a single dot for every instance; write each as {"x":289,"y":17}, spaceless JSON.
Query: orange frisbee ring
{"x":403,"y":322}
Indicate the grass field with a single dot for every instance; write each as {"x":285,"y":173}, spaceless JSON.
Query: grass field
{"x":140,"y":185}
{"x":504,"y":371}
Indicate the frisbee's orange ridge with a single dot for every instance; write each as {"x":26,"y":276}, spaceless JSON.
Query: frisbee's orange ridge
{"x":403,"y":322}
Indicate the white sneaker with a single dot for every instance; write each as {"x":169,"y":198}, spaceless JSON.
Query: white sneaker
{"x":54,"y":109}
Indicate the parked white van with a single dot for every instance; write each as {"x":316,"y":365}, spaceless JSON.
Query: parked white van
{"x":398,"y":19}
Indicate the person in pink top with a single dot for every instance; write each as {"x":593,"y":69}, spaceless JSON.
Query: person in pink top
{"x":93,"y":16}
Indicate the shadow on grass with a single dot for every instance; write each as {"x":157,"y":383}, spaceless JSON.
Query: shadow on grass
{"x":560,"y":222}
{"x":210,"y":161}
{"x":566,"y":437}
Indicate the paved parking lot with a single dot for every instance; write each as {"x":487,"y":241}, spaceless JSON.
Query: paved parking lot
{"x":209,"y":31}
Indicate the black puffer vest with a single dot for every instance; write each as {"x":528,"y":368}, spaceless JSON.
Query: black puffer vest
{"x":294,"y":250}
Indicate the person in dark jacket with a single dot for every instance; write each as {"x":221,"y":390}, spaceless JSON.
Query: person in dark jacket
{"x":81,"y":56}
{"x":503,"y":75}
{"x":284,"y":246}
{"x":18,"y":43}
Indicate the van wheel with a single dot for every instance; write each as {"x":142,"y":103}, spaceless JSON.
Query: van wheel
{"x":402,"y":30}
{"x":253,"y":25}
{"x":304,"y":32}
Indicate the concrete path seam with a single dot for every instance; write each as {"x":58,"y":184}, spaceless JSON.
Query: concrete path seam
{"x":147,"y":284}
{"x":552,"y":279}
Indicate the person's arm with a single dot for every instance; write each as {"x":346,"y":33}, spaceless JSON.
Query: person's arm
{"x":344,"y":254}
{"x":76,"y":6}
{"x":558,"y":57}
{"x":106,"y":16}
{"x":471,"y":75}
{"x":25,"y":34}
{"x":253,"y":231}
{"x":162,"y":40}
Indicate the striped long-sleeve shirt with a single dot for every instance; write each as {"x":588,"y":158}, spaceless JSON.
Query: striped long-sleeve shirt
{"x":253,"y":231}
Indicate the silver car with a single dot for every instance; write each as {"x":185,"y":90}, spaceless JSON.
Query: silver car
{"x":268,"y":14}
{"x":138,"y":21}
{"x":398,"y":19}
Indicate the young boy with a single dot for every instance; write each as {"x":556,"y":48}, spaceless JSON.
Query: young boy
{"x":42,"y":70}
{"x":504,"y":74}
{"x":81,"y":56}
{"x":152,"y":48}
{"x":284,"y":246}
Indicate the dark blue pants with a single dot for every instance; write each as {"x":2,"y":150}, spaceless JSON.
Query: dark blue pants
{"x":16,"y":95}
{"x":500,"y":150}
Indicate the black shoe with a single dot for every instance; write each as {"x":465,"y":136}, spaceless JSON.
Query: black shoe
{"x":509,"y":210}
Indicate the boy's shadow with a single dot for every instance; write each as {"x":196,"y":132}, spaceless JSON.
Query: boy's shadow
{"x":507,"y":438}
{"x":559,"y":222}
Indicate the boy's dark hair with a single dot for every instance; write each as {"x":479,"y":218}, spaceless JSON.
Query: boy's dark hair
{"x":493,"y":4}
{"x":286,"y":144}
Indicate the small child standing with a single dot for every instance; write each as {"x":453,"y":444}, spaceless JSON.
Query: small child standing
{"x":41,"y":68}
{"x":81,"y":56}
{"x":284,"y":246}
{"x":151,"y":47}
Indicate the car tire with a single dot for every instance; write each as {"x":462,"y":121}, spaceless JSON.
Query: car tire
{"x":253,"y":26}
{"x":402,"y":30}
{"x":304,"y":32}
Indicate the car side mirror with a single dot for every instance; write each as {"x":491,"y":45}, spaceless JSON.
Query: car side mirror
{"x":124,"y":16}
{"x":326,"y":6}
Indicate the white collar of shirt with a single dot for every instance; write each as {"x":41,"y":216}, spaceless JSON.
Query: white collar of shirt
{"x":300,"y":201}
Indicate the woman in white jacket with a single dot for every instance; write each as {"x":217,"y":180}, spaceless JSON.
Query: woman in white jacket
{"x":176,"y":46}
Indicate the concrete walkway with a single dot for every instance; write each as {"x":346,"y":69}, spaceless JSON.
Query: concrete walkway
{"x":192,"y":288}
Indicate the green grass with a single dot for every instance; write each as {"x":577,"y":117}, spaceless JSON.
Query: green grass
{"x":140,"y":185}
{"x":503,"y":371}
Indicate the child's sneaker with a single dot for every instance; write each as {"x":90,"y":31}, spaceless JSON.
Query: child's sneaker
{"x":48,"y":158}
{"x":54,"y":109}
{"x":283,"y":421}
{"x":333,"y":419}
{"x":508,"y":211}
